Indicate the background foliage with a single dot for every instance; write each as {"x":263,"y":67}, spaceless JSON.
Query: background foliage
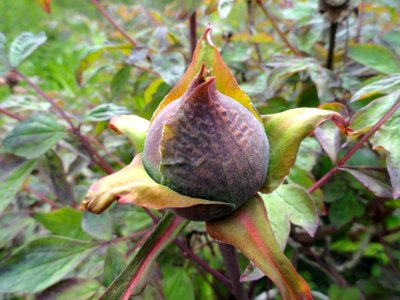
{"x":93,"y":72}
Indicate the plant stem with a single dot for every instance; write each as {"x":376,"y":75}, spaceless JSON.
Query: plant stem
{"x":276,"y":27}
{"x":201,"y":263}
{"x":110,"y":19}
{"x":10,"y":114}
{"x":42,"y":198}
{"x":357,"y":146}
{"x":230,"y":260}
{"x":192,"y":32}
{"x":331,"y":49}
{"x":95,"y":156}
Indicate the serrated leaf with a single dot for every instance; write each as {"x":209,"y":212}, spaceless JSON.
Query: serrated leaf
{"x":52,"y":167}
{"x":170,"y":66}
{"x":93,"y":54}
{"x":105,"y":112}
{"x":376,"y":57}
{"x":386,"y":85}
{"x":34,"y":136}
{"x":120,"y":81}
{"x":206,"y":53}
{"x":285,"y":132}
{"x":65,"y":222}
{"x":98,"y":226}
{"x":45,"y":5}
{"x":41,"y":263}
{"x":224,"y":8}
{"x":248,"y":229}
{"x":23,"y":46}
{"x":388,"y":138}
{"x":134,"y":127}
{"x":133,"y":279}
{"x":133,"y":185}
{"x":372,"y":181}
{"x":290,"y":204}
{"x":14,"y":172}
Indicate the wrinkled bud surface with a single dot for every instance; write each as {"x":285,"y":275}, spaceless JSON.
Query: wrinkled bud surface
{"x":207,"y":145}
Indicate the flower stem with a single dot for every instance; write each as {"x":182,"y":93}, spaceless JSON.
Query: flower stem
{"x":192,"y":32}
{"x":230,"y":260}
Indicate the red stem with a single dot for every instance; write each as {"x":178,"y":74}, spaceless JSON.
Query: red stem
{"x":357,"y":146}
{"x":106,"y":15}
{"x":276,"y":27}
{"x":42,"y":197}
{"x":10,"y":114}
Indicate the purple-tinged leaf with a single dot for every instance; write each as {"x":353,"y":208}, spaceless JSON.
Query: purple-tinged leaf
{"x":372,"y":181}
{"x":133,"y":278}
{"x":328,"y":136}
{"x":248,"y":229}
{"x":388,"y":138}
{"x":386,"y":85}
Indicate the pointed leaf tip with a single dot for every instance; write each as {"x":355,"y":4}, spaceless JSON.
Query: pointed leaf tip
{"x":285,"y":132}
{"x":206,"y":53}
{"x":248,"y":229}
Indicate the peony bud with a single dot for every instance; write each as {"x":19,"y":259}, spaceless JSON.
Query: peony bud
{"x":207,"y":145}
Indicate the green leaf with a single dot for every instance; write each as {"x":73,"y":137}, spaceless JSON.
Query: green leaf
{"x":290,"y":204}
{"x":224,"y":8}
{"x":285,"y":132}
{"x":305,"y":179}
{"x":98,"y":226}
{"x":336,"y":292}
{"x":386,"y":85}
{"x":4,"y":65}
{"x":344,"y":210}
{"x":388,"y":138}
{"x":52,"y":167}
{"x":134,"y":127}
{"x":249,"y":230}
{"x":365,"y":118}
{"x":14,"y":171}
{"x":177,"y":284}
{"x":93,"y":54}
{"x":105,"y":112}
{"x":11,"y":225}
{"x":72,"y":288}
{"x":65,"y":222}
{"x":376,"y":57}
{"x":34,"y":136}
{"x":23,"y":46}
{"x":133,"y":279}
{"x":133,"y":185}
{"x":114,"y":264}
{"x":41,"y":263}
{"x":372,"y":181}
{"x":120,"y":81}
{"x":170,"y":66}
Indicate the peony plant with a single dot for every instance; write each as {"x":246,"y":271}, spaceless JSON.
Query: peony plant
{"x":207,"y":155}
